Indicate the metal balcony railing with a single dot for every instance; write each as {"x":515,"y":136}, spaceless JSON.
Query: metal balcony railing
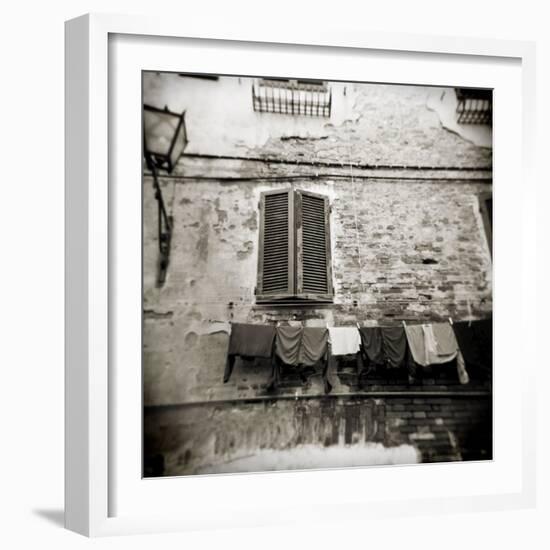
{"x":474,"y":106}
{"x":292,"y":97}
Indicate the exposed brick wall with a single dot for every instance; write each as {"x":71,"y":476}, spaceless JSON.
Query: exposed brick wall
{"x":443,"y":429}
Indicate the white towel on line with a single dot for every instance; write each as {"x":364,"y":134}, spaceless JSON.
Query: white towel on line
{"x":344,"y":340}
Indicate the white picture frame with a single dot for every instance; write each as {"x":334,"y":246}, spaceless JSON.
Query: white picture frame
{"x":93,"y":391}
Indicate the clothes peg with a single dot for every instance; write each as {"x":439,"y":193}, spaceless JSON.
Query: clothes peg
{"x":450,"y":321}
{"x":358,"y":325}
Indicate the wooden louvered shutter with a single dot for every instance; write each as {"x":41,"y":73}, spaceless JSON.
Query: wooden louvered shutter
{"x":313,"y":265}
{"x":277,"y":245}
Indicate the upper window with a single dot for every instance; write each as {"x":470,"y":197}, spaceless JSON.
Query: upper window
{"x":294,"y":254}
{"x":474,"y":106}
{"x":292,"y":97}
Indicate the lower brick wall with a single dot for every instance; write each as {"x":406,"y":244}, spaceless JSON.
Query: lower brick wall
{"x":441,"y":428}
{"x":209,"y":438}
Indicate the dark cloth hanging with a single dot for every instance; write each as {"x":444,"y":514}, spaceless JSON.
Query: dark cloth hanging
{"x":371,"y":339}
{"x":305,"y":346}
{"x":394,"y":345}
{"x":287,"y":344}
{"x":324,"y":374}
{"x":467,"y":342}
{"x":315,"y":348}
{"x":297,"y":345}
{"x":483,"y":331}
{"x":248,"y":341}
{"x":251,"y":340}
{"x":314,"y":345}
{"x":475,"y":340}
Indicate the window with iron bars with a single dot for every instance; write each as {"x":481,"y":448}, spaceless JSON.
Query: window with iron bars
{"x":474,"y":106}
{"x":292,"y":97}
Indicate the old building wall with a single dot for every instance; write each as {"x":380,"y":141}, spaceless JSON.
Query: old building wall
{"x":408,"y":243}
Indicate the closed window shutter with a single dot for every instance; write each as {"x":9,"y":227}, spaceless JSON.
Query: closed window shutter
{"x":276,"y":254}
{"x":294,"y":252}
{"x":314,"y":278}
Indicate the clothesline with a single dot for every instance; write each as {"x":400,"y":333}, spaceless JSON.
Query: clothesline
{"x":401,"y":322}
{"x":420,"y":344}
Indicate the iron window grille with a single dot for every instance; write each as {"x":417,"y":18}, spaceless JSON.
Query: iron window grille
{"x":292,"y":97}
{"x":474,"y":106}
{"x":294,"y":260}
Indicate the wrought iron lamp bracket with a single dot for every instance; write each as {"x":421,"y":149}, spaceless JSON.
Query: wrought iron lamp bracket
{"x":165,"y":223}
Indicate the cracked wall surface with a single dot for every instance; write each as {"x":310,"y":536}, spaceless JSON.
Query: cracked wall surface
{"x":376,"y":124}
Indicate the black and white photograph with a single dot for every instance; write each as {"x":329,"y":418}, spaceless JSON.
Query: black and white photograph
{"x":317,"y":274}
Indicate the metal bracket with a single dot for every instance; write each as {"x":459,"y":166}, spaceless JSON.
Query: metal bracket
{"x":165,"y":223}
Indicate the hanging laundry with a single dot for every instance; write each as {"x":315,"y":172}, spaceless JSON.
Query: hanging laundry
{"x":305,"y":346}
{"x":475,"y":340}
{"x":447,"y":346}
{"x":251,"y":340}
{"x":301,"y":346}
{"x":467,"y":342}
{"x":440,"y":343}
{"x":371,"y":339}
{"x":463,"y":375}
{"x":344,"y":340}
{"x":446,"y":343}
{"x":435,"y":344}
{"x":248,"y":341}
{"x":287,"y":344}
{"x":483,"y":330}
{"x":415,"y":339}
{"x":313,"y":349}
{"x":394,"y":345}
{"x":314,"y":345}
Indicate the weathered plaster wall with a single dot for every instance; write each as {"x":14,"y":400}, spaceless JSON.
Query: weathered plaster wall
{"x":220,"y":119}
{"x":370,"y":123}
